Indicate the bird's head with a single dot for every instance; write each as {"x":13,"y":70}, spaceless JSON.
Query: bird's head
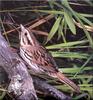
{"x":26,"y":37}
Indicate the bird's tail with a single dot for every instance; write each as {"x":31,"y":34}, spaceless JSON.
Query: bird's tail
{"x":68,"y":82}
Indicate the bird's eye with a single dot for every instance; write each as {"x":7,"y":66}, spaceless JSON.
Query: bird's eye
{"x":26,"y":34}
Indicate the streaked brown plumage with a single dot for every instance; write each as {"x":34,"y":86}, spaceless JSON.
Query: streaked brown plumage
{"x":40,"y":59}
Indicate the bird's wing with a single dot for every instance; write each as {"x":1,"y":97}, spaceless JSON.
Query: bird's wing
{"x":43,"y":58}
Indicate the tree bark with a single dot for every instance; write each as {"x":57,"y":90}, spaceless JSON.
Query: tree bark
{"x":49,"y":90}
{"x":21,"y":83}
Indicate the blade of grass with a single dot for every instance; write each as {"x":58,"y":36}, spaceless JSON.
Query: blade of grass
{"x":4,"y":31}
{"x":86,"y":15}
{"x":80,"y":96}
{"x":69,"y":21}
{"x":84,"y":76}
{"x":61,"y":30}
{"x":68,"y":44}
{"x":86,"y":20}
{"x":70,"y":54}
{"x":82,"y":67}
{"x":74,"y":70}
{"x":77,"y":16}
{"x":54,"y":28}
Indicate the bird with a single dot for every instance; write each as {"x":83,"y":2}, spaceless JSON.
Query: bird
{"x":39,"y":59}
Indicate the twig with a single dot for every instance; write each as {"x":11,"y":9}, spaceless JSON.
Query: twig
{"x":41,"y":21}
{"x":88,"y":28}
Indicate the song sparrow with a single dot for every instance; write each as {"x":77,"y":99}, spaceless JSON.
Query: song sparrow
{"x":40,"y":60}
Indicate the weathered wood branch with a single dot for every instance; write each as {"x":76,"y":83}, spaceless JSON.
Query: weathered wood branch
{"x":49,"y":90}
{"x":21,"y":83}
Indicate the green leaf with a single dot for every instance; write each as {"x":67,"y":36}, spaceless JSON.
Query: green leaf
{"x":69,"y":44}
{"x":82,"y":67}
{"x":50,"y":11}
{"x":86,"y":15}
{"x":86,"y":20}
{"x":70,"y":55}
{"x":74,"y":70}
{"x":54,"y":28}
{"x":70,"y":22}
{"x":77,"y":16}
{"x":86,"y":32}
{"x":90,"y":2}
